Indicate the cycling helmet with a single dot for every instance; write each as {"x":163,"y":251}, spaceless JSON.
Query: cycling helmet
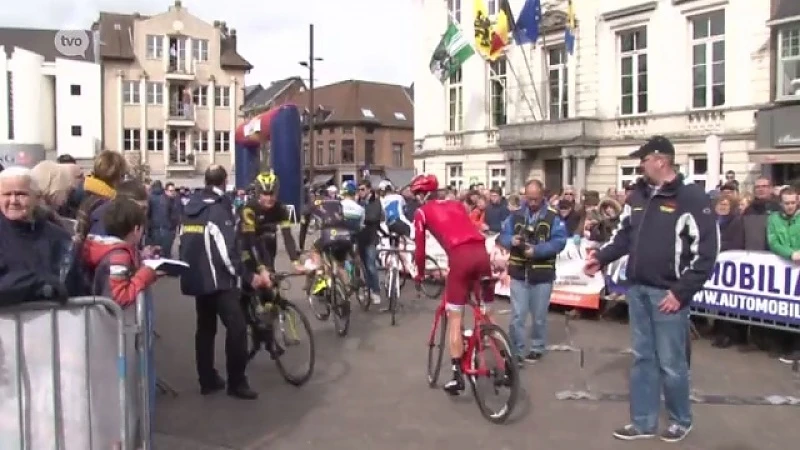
{"x":266,"y":182}
{"x":385,"y":185}
{"x":349,"y":187}
{"x":422,"y":184}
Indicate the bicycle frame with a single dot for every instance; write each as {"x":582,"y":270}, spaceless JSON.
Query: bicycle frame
{"x":471,"y":343}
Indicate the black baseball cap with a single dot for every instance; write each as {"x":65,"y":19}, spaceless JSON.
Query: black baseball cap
{"x":655,"y":145}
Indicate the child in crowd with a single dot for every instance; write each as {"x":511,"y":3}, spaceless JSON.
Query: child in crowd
{"x":114,"y":259}
{"x":513,"y":203}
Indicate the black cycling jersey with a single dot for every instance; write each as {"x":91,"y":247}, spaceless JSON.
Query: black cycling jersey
{"x":257,"y":231}
{"x":328,"y":213}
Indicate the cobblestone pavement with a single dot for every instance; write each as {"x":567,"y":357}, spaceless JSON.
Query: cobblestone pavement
{"x":369,"y":392}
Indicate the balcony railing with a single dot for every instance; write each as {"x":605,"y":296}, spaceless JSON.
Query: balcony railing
{"x":182,"y":112}
{"x":180,"y":67}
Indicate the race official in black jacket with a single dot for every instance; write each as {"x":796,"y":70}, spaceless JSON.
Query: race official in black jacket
{"x":669,"y":231}
{"x":208,"y":244}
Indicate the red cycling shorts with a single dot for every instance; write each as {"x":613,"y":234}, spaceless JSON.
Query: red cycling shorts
{"x":468,"y":263}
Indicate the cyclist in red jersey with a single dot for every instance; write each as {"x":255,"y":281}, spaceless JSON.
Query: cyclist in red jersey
{"x":468,"y":260}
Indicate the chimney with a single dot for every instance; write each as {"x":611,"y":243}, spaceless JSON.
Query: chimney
{"x":178,"y":4}
{"x":232,"y":38}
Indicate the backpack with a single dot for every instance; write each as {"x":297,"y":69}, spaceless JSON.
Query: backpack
{"x":78,"y":280}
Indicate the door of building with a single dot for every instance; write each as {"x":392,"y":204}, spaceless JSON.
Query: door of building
{"x":553,"y":174}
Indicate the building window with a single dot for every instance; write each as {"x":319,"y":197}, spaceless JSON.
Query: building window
{"x":399,"y":116}
{"x":497,"y":177}
{"x":347,"y":130}
{"x":455,"y":102}
{"x":200,"y":49}
{"x":178,"y":151}
{"x":200,"y":96}
{"x":633,"y":71}
{"x":200,"y":141}
{"x":558,"y":89}
{"x":222,"y":96}
{"x":318,"y":152}
{"x":369,"y":152}
{"x":222,"y":141}
{"x":454,"y":8}
{"x":306,"y":156}
{"x":331,"y":152}
{"x":76,"y":130}
{"x":130,"y":93}
{"x":455,"y":176}
{"x":367,"y":113}
{"x":155,"y":93}
{"x":155,"y":46}
{"x":627,"y":175}
{"x":397,"y":155}
{"x":131,"y":139}
{"x":155,"y":140}
{"x":491,"y":7}
{"x":75,"y":89}
{"x":708,"y":60}
{"x":789,"y":62}
{"x":348,"y":151}
{"x":497,"y":92}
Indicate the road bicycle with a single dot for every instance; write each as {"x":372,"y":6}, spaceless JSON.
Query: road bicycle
{"x":275,"y":325}
{"x":431,"y":287}
{"x":334,"y":298}
{"x":484,"y":335}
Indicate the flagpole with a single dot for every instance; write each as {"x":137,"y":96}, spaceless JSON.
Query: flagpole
{"x":533,"y":82}
{"x":519,"y":84}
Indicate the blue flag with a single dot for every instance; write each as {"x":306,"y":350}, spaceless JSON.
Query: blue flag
{"x":569,"y":30}
{"x":526,"y":30}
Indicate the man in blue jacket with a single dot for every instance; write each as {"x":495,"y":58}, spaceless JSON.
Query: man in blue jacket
{"x":534,"y":235}
{"x":496,"y":210}
{"x":669,"y":231}
{"x":208,"y":245}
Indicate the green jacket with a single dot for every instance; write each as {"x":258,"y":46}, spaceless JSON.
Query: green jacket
{"x":783,"y":234}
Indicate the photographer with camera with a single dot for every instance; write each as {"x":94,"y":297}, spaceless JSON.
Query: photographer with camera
{"x":534,"y":235}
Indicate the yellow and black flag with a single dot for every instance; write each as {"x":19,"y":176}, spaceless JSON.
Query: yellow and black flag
{"x":502,"y":30}
{"x":483,"y":29}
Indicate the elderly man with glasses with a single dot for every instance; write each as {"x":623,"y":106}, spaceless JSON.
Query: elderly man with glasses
{"x":33,"y":250}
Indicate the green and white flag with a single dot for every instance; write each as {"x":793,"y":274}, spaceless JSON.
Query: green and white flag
{"x":450,"y":54}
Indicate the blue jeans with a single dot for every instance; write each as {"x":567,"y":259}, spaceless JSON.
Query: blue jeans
{"x":658,"y":342}
{"x":369,"y":256}
{"x":533,"y":299}
{"x":163,"y":237}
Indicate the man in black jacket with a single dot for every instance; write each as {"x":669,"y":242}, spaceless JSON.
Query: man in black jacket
{"x":367,"y":239}
{"x":208,"y":245}
{"x":33,"y":251}
{"x":669,"y":231}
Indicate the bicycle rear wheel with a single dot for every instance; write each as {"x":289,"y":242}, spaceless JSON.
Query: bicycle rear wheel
{"x":436,"y":351}
{"x":503,"y":372}
{"x":359,"y":286}
{"x":287,"y":328}
{"x":341,"y":307}
{"x":392,"y":292}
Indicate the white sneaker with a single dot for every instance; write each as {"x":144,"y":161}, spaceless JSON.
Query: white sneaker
{"x":376,"y":298}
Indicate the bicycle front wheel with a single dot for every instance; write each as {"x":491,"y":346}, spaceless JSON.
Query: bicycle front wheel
{"x":293,"y":335}
{"x":493,"y":359}
{"x":436,"y":350}
{"x":393,"y":292}
{"x":359,"y":286}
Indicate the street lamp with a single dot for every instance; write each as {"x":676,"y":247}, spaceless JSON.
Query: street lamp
{"x":311,"y":109}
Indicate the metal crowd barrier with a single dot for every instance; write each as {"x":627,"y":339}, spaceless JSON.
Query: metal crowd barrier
{"x":75,"y":376}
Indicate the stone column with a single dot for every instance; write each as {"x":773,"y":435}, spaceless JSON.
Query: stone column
{"x":566,"y":170}
{"x":580,"y":173}
{"x":212,"y":118}
{"x":120,"y":112}
{"x":143,"y":126}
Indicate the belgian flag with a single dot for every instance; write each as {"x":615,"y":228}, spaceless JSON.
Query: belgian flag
{"x":502,"y":30}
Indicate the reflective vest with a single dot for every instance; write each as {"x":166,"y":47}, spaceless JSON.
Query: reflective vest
{"x":533,"y":270}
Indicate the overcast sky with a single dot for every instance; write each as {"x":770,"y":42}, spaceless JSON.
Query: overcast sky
{"x":358,"y":39}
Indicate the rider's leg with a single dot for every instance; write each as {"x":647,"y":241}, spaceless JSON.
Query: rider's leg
{"x":455,"y":314}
